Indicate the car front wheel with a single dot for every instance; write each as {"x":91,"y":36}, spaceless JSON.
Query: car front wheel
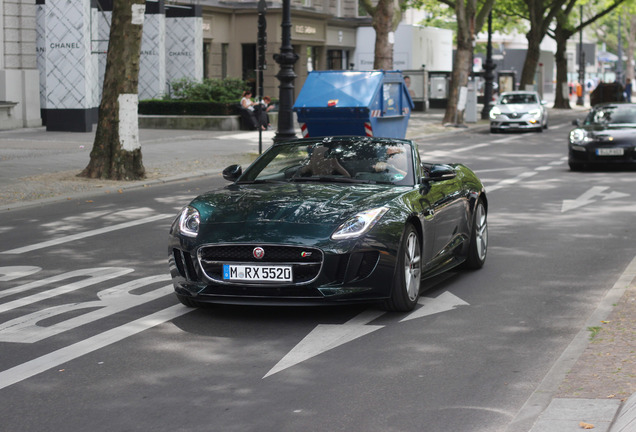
{"x":405,"y":291}
{"x":478,"y":247}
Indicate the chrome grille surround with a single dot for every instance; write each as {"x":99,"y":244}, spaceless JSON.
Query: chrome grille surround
{"x":305,"y":270}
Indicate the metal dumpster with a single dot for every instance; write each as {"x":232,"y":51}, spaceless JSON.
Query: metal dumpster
{"x":366,"y":103}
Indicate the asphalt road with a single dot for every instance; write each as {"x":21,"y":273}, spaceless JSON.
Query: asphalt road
{"x":91,"y":337}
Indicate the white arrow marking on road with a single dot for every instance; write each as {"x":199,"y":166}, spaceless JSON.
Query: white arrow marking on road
{"x":589,"y":197}
{"x":328,"y":336}
{"x":430,"y":306}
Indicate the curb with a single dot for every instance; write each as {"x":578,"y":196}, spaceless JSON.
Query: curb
{"x":626,"y":419}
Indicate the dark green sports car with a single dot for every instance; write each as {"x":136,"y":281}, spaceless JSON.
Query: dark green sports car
{"x":329,"y":221}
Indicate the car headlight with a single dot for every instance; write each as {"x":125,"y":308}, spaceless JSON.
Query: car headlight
{"x":189,"y":221}
{"x":579,"y":136}
{"x":495,"y":112}
{"x":535,"y":113}
{"x":359,"y":224}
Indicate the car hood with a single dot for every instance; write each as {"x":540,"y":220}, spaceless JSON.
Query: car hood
{"x":298,"y":203}
{"x":622,"y":130}
{"x":519,"y":108}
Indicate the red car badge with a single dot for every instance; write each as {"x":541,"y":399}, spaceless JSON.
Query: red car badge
{"x":258,"y":252}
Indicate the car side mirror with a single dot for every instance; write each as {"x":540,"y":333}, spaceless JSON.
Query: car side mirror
{"x":576,"y":122}
{"x":544,"y":102}
{"x":439,"y":173}
{"x":232,"y":173}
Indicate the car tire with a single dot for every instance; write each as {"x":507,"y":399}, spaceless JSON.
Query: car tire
{"x":478,"y":247}
{"x":187,"y":301}
{"x":493,"y":130}
{"x":405,"y":291}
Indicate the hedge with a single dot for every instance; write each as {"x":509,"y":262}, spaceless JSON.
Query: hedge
{"x":190,"y":108}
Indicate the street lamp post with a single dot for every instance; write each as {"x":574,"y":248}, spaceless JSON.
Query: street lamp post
{"x":262,"y":64}
{"x":489,"y":75}
{"x":619,"y":62}
{"x":581,"y":97}
{"x":286,"y":59}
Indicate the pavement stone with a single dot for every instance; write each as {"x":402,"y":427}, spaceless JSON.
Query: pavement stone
{"x":38,"y":167}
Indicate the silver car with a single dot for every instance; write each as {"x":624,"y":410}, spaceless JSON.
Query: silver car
{"x":519,"y":110}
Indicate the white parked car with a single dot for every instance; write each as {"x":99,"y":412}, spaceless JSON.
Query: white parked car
{"x":519,"y":110}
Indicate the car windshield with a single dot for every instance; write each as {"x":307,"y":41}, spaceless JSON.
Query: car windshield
{"x":349,"y":160}
{"x":520,"y":98}
{"x":612,"y":115}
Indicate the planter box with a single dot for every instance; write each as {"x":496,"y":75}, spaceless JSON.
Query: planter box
{"x":214,"y":123}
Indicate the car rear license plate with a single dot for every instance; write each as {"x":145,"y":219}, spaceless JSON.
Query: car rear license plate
{"x":256,"y":273}
{"x":609,"y":152}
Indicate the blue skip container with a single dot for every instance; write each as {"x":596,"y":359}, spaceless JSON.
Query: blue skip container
{"x":361,"y":103}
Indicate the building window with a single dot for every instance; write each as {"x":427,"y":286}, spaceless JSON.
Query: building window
{"x":336,"y":59}
{"x":207,"y":47}
{"x":224,"y":54}
{"x":312,"y":59}
{"x":249,"y":65}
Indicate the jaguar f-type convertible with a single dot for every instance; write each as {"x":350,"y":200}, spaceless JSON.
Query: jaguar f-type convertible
{"x":329,"y":221}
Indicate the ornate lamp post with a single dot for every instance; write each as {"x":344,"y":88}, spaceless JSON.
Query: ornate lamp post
{"x":286,"y":59}
{"x":619,"y":62}
{"x":581,"y":99}
{"x":489,"y":67}
{"x":262,"y":64}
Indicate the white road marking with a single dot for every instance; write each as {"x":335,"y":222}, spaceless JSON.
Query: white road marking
{"x":589,"y":197}
{"x":79,"y":236}
{"x":27,"y":328}
{"x":511,"y":181}
{"x":71,"y":352}
{"x":430,"y":306}
{"x":505,"y":140}
{"x":91,"y":276}
{"x":16,"y":272}
{"x":328,"y":336}
{"x":325,"y":337}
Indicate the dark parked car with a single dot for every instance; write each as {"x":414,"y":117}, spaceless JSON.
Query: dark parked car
{"x":329,"y":220}
{"x":606,"y":136}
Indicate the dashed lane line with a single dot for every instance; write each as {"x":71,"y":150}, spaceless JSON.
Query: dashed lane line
{"x":91,"y":233}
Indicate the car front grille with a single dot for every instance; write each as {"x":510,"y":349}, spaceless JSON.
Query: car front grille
{"x":305,"y":262}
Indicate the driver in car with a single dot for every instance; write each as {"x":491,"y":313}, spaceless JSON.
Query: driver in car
{"x":394,"y":161}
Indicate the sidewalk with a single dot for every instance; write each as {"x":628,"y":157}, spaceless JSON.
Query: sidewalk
{"x":39,"y":167}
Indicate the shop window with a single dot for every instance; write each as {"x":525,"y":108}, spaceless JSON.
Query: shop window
{"x":337,"y":59}
{"x":249,"y":65}
{"x":312,"y":59}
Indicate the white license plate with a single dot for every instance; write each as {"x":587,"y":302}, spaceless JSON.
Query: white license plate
{"x":257,"y":273}
{"x":609,"y":152}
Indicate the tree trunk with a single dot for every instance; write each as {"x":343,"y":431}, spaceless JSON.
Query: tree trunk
{"x":465,"y":13}
{"x":532,"y":59}
{"x":383,"y":25}
{"x":116,"y":153}
{"x":631,"y":47}
{"x":561,"y":37}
